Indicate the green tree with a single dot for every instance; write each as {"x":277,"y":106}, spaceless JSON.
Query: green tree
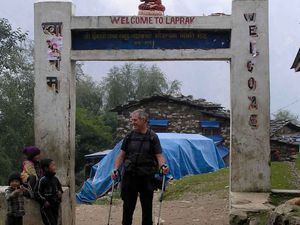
{"x":149,"y":81}
{"x":11,"y":47}
{"x":5,"y":166}
{"x":287,"y":115}
{"x":16,"y":96}
{"x":92,"y":135}
{"x":174,"y":88}
{"x":94,"y":126}
{"x":136,"y":81}
{"x":118,"y":85}
{"x":89,"y":94}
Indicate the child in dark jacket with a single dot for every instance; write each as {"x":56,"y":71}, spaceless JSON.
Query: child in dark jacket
{"x":49,"y":193}
{"x":15,"y":200}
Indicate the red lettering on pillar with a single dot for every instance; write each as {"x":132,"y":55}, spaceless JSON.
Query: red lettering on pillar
{"x":115,"y":19}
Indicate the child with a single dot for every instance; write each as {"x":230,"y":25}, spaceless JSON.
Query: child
{"x":15,"y":200}
{"x":31,"y":170}
{"x":49,"y":193}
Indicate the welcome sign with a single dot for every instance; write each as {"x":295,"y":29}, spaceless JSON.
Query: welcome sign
{"x":167,"y":20}
{"x":149,"y":39}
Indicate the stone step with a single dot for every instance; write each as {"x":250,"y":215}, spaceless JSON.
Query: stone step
{"x":286,"y":192}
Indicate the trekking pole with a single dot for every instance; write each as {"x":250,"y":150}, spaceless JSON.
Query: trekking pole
{"x":111,"y":199}
{"x":161,"y":198}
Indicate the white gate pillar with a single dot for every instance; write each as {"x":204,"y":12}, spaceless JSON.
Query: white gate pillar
{"x":54,"y":99}
{"x":250,"y":97}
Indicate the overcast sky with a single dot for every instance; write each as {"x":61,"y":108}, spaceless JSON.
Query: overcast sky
{"x":208,"y":80}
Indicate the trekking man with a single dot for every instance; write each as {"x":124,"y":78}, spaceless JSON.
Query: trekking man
{"x":141,"y":154}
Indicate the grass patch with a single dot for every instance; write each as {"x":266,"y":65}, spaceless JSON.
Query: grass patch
{"x":296,"y":211}
{"x":208,"y":182}
{"x":281,"y":176}
{"x":216,"y":181}
{"x":262,"y":217}
{"x":281,"y":179}
{"x":278,"y":199}
{"x":298,"y":162}
{"x":105,"y":200}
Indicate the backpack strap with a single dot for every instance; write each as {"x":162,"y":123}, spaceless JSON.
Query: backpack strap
{"x":128,"y":138}
{"x":149,"y":137}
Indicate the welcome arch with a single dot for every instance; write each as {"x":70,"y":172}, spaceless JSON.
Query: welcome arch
{"x":61,"y":39}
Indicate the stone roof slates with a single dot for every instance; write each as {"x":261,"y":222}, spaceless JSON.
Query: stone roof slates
{"x":202,"y":104}
{"x":277,"y":125}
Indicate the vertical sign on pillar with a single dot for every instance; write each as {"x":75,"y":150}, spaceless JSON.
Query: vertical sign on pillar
{"x":251,"y":19}
{"x":250,"y":119}
{"x":54,"y":42}
{"x":54,"y":97}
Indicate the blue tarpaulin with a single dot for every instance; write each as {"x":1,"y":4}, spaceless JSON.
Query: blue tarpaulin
{"x":155,"y":122}
{"x":209,"y":124}
{"x":186,"y":154}
{"x":218,"y":139}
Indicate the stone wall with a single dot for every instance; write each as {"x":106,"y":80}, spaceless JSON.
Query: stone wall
{"x":283,"y":151}
{"x":182,"y":118}
{"x":32,"y":210}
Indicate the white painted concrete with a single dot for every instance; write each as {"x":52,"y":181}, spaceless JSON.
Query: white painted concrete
{"x":36,"y":1}
{"x":250,"y":201}
{"x":54,"y":119}
{"x":250,"y":148}
{"x":151,"y":55}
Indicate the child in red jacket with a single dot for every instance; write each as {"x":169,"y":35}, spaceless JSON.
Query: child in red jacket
{"x":31,"y":170}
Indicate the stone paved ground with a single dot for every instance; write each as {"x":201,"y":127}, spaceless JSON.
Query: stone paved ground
{"x":206,"y":209}
{"x":295,"y":174}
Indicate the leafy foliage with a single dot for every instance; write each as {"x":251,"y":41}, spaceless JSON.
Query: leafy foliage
{"x":89,"y":94}
{"x":11,"y":47}
{"x":5,"y":166}
{"x":16,"y":97}
{"x":94,"y":126}
{"x":287,"y":115}
{"x":92,"y":135}
{"x":133,"y":82}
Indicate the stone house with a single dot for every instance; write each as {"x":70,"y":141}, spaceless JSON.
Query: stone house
{"x":177,"y":114}
{"x":285,"y":140}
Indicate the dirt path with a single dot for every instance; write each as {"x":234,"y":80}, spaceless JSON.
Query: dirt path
{"x":206,"y":209}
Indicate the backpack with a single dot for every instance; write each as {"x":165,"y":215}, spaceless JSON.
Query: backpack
{"x":139,"y":163}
